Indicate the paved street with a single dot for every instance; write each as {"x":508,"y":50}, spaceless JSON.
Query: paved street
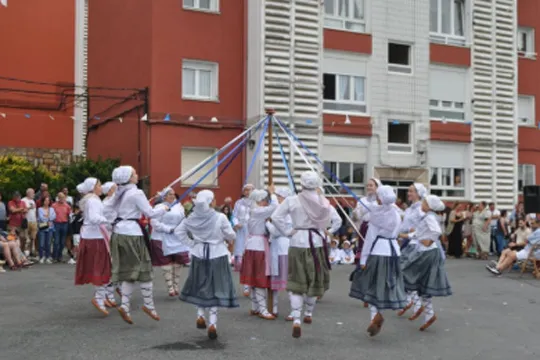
{"x":43,"y":316}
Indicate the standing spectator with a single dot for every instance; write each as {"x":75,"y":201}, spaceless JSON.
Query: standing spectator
{"x":493,"y":226}
{"x":454,"y":231}
{"x":61,"y":226}
{"x":69,"y":199}
{"x":17,"y":215}
{"x":517,"y":214}
{"x":31,"y":228}
{"x":46,"y":217}
{"x":501,"y":232}
{"x":467,"y":227}
{"x":3,"y":214}
{"x":227,"y":202}
{"x":41,"y":192}
{"x":481,"y":230}
{"x":69,"y":238}
{"x":188,"y":205}
{"x":44,"y":194}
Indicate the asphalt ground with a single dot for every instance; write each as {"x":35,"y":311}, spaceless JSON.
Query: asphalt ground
{"x":44,"y":316}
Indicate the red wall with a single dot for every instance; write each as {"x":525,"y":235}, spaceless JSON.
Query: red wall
{"x":529,"y":84}
{"x":37,"y":44}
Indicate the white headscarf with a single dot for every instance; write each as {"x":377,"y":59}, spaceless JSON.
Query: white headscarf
{"x":258,"y":195}
{"x":310,"y":180}
{"x":435,"y":203}
{"x":87,"y":186}
{"x":203,"y":218}
{"x":248,"y":186}
{"x":283,"y":192}
{"x":107,"y":187}
{"x":421,"y":190}
{"x":377,"y":181}
{"x":386,"y":194}
{"x":164,"y":192}
{"x":122,"y":174}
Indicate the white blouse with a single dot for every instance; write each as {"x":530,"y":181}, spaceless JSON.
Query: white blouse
{"x":163,"y":227}
{"x":384,"y":222}
{"x":222,"y":232}
{"x":257,"y":225}
{"x":281,"y":240}
{"x":428,"y":229}
{"x":241,"y":212}
{"x":131,"y":206}
{"x":411,"y":219}
{"x":92,"y":218}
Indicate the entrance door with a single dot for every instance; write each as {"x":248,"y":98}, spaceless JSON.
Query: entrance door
{"x":401,"y":187}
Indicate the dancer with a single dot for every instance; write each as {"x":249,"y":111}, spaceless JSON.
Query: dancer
{"x":279,"y":250}
{"x":168,"y":253}
{"x":129,"y":242}
{"x":93,"y":262}
{"x":309,"y":269}
{"x":240,"y":219}
{"x":409,"y":244}
{"x":362,"y":215}
{"x":209,"y":284}
{"x":378,"y":281}
{"x":424,"y":270}
{"x":256,"y":270}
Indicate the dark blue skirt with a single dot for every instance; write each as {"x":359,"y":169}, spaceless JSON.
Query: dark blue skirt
{"x":424,"y":272}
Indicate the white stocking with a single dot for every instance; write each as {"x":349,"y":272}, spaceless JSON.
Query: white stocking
{"x":254,"y":303}
{"x":297,"y":303}
{"x":310,"y":305}
{"x":200,"y":312}
{"x":374,"y":311}
{"x":99,"y":295}
{"x":409,"y":297}
{"x":428,"y":308}
{"x":417,"y":301}
{"x":110,"y":292}
{"x":148,"y":294}
{"x":212,"y":316}
{"x":275,"y":299}
{"x":168,"y":273}
{"x":127,"y":290}
{"x":246,"y":288}
{"x":177,"y":269}
{"x":260,"y":297}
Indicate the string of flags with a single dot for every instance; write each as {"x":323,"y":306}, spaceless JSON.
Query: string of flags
{"x":29,"y":116}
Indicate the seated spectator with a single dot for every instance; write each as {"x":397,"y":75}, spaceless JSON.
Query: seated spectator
{"x":347,"y":254}
{"x":519,"y":237}
{"x":11,"y":250}
{"x":335,"y":253}
{"x":509,"y":256}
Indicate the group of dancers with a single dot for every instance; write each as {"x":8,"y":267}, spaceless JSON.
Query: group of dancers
{"x":281,"y":243}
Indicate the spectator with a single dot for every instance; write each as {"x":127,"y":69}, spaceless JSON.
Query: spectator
{"x":10,"y":249}
{"x":495,"y":214}
{"x":227,"y":202}
{"x":46,"y":217}
{"x":519,"y":237}
{"x":188,"y":205}
{"x":69,"y":199}
{"x":39,"y":201}
{"x":501,"y":232}
{"x":454,"y":232}
{"x":467,"y":227}
{"x":41,"y":192}
{"x":17,"y":215}
{"x":517,"y":214}
{"x":481,"y":230}
{"x":61,"y":226}
{"x":3,"y":214}
{"x":31,"y":227}
{"x":75,"y":221}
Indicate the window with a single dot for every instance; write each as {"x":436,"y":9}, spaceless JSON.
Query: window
{"x":448,"y":93}
{"x":191,"y":157}
{"x":399,"y":58}
{"x":399,"y":137}
{"x":204,"y":5}
{"x":526,"y":105}
{"x":526,"y":175}
{"x":525,"y":42}
{"x":345,"y":15}
{"x":351,"y":174}
{"x":440,"y":109}
{"x":448,"y":182}
{"x":199,"y":80}
{"x":447,"y":21}
{"x":344,"y":93}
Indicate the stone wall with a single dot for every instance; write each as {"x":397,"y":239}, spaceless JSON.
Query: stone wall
{"x":52,"y":159}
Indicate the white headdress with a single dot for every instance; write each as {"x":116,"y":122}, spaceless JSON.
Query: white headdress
{"x":435,"y":203}
{"x":421,"y":190}
{"x":310,"y":180}
{"x":87,"y":186}
{"x":258,"y":195}
{"x":203,"y":200}
{"x":122,"y":174}
{"x":283,"y":192}
{"x":107,"y":187}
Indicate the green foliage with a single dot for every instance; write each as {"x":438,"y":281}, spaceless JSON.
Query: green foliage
{"x":76,"y":172}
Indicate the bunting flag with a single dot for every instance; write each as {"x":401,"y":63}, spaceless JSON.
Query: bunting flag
{"x":3,"y":2}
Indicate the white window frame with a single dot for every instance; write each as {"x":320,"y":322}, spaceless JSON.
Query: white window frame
{"x":456,"y":107}
{"x":212,"y":179}
{"x":357,"y":188}
{"x":329,"y":20}
{"x":397,"y":148}
{"x":214,"y":6}
{"x":531,"y":168}
{"x":349,"y":106}
{"x":399,"y":68}
{"x":525,"y":121}
{"x":452,"y":186}
{"x":198,"y":65}
{"x":526,"y":50}
{"x":444,"y":38}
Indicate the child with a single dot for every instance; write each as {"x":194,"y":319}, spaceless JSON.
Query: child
{"x":335,"y":253}
{"x":75,"y":223}
{"x":347,"y":254}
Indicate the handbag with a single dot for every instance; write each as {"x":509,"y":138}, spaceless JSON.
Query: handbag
{"x":24,"y":224}
{"x":43,"y":225}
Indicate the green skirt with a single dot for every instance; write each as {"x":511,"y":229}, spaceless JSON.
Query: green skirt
{"x":303,"y":278}
{"x":130,"y":259}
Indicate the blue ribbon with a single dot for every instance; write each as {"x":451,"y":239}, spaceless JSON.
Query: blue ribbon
{"x":334,"y":177}
{"x":286,"y":164}
{"x":261,"y":140}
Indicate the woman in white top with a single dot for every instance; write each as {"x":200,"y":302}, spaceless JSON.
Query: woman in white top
{"x":411,"y":219}
{"x":309,"y":268}
{"x":256,"y":270}
{"x":209,"y":284}
{"x":378,"y":280}
{"x":361,"y":213}
{"x":129,"y":243}
{"x":166,"y":252}
{"x":240,"y":219}
{"x":424,"y":272}
{"x":279,"y":250}
{"x":94,"y":262}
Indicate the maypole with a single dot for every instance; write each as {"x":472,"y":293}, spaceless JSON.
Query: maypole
{"x":270,"y":116}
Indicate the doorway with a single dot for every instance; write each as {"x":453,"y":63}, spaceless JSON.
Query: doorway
{"x":401,"y":187}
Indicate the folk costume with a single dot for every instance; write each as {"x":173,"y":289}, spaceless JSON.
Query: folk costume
{"x":166,"y":252}
{"x":411,"y":220}
{"x":130,"y":244}
{"x":94,"y":262}
{"x":378,"y":280}
{"x":335,"y":253}
{"x":346,"y":254}
{"x":362,"y":216}
{"x":279,"y":250}
{"x":240,"y":219}
{"x":424,"y":271}
{"x":256,"y":264}
{"x":309,"y":268}
{"x":209,"y":284}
